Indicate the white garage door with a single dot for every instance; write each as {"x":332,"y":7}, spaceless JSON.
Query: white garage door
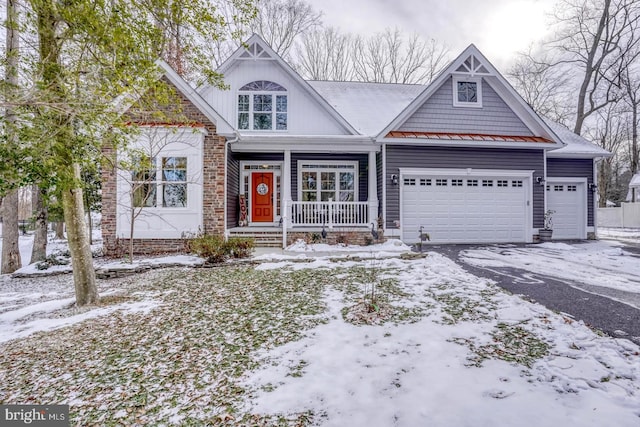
{"x":568,"y":200}
{"x":463,"y":208}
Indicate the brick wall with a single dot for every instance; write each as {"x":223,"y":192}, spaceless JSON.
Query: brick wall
{"x":162,"y":106}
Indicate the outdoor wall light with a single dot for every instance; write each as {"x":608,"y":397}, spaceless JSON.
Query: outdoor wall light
{"x":540,"y":180}
{"x":394,"y":179}
{"x":593,"y":187}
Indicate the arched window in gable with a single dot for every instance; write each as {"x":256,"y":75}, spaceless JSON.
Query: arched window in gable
{"x":262,"y":105}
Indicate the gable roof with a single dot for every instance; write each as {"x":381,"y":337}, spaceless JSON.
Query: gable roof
{"x":472,"y":62}
{"x":256,"y":48}
{"x":575,"y":145}
{"x":222,"y":126}
{"x":367,"y":106}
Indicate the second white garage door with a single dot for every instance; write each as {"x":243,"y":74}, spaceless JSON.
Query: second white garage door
{"x":567,"y":199}
{"x":465,"y":208}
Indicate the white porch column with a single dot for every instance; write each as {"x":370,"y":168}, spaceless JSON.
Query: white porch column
{"x":285,"y":192}
{"x":373,"y":190}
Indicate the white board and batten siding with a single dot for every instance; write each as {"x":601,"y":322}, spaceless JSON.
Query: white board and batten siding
{"x":466,"y":206}
{"x":306,"y":116}
{"x":165,"y":222}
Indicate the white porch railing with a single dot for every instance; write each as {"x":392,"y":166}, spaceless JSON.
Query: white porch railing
{"x":329,"y":213}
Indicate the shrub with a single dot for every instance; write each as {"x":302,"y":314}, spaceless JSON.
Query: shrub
{"x":215,"y":249}
{"x":240,"y":247}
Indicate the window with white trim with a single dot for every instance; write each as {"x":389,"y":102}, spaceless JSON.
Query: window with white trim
{"x":169,"y":191}
{"x":467,"y":92}
{"x":321,"y":182}
{"x":262,"y":105}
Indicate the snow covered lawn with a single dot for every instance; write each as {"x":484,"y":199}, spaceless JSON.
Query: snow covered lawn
{"x":269,"y":345}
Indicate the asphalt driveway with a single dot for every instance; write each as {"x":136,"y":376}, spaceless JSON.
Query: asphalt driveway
{"x":590,"y":281}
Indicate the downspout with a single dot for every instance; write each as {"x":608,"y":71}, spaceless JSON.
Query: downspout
{"x":226,"y":179}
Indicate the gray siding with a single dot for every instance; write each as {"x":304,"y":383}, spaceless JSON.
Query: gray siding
{"x":233,"y":180}
{"x":379,"y":179}
{"x":574,"y":168}
{"x":233,"y":189}
{"x":438,"y":114}
{"x":399,"y":156}
{"x":362,"y":159}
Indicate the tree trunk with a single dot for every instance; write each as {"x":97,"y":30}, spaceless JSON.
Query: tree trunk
{"x":84,"y":276}
{"x":39,"y":251}
{"x":634,"y":147}
{"x":60,"y":230}
{"x":10,"y":233}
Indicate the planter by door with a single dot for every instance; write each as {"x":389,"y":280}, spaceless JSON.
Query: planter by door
{"x":545,"y":235}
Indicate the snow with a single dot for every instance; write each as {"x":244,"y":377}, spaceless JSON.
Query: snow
{"x":575,"y":144}
{"x":416,"y":374}
{"x":590,"y":263}
{"x":391,"y":245}
{"x":10,"y":329}
{"x":623,"y":234}
{"x":413,"y":373}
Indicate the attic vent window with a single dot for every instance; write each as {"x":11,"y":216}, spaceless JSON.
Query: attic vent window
{"x":467,"y":92}
{"x":262,"y":105}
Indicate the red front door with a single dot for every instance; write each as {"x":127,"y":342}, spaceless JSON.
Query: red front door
{"x":262,"y":197}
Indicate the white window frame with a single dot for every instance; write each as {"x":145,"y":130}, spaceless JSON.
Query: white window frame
{"x":251,"y":111}
{"x":353,"y":167}
{"x":462,"y":79}
{"x":159,"y":183}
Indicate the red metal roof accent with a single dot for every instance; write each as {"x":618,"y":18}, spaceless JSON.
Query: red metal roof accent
{"x":167,"y":124}
{"x":467,"y":136}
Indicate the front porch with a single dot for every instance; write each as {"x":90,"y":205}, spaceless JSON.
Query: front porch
{"x":301,"y":192}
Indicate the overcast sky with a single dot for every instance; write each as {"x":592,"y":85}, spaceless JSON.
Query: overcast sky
{"x":499,"y":28}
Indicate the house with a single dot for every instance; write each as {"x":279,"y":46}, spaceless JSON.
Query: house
{"x":276,"y":157}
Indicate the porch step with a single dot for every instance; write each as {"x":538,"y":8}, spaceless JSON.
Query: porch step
{"x":262,"y":239}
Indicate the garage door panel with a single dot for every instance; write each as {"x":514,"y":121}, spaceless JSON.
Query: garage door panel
{"x":478,"y":209}
{"x":568,"y":200}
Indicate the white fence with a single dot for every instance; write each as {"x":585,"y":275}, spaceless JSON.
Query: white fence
{"x":627,"y":216}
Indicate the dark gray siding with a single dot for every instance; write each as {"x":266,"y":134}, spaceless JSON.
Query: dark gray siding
{"x":399,"y":156}
{"x":379,"y":179}
{"x":439,"y":115}
{"x":574,"y":168}
{"x":233,"y":185}
{"x":233,"y":180}
{"x":363,"y":168}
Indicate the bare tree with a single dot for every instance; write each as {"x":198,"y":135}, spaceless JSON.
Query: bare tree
{"x":280,"y":22}
{"x":593,"y":36}
{"x":325,"y":55}
{"x":631,"y":87}
{"x":39,"y":213}
{"x":610,"y":132}
{"x":542,"y":86}
{"x":390,"y":58}
{"x":10,"y":232}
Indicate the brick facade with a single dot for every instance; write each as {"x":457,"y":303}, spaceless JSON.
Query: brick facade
{"x":173,"y":108}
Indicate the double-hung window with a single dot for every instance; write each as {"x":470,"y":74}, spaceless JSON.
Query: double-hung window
{"x":262,"y":105}
{"x":160,"y":182}
{"x":321,"y":182}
